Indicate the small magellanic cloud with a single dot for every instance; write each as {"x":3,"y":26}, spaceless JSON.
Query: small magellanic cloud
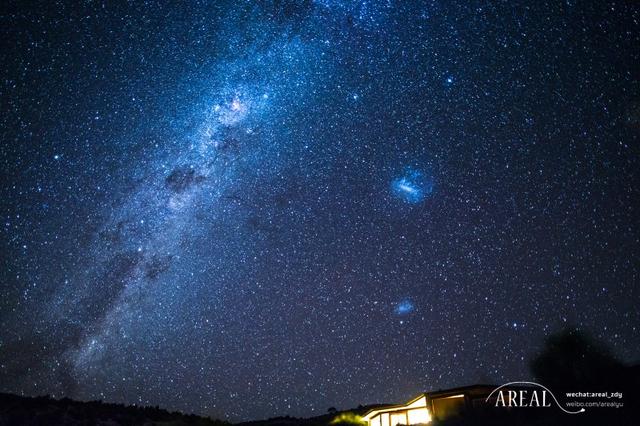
{"x":404,"y":307}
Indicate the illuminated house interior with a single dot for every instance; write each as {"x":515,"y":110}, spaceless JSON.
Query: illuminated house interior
{"x":428,"y":406}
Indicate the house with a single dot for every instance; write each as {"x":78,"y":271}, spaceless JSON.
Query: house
{"x":430,"y":405}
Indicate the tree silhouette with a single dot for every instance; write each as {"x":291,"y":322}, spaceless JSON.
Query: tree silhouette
{"x":572,"y":359}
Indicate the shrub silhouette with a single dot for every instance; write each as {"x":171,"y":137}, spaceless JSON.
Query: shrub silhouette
{"x":348,"y":419}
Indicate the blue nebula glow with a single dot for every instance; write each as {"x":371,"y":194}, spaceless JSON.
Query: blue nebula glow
{"x":412,"y":187}
{"x":405,"y":307}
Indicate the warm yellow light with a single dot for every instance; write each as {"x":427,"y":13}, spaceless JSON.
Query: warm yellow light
{"x":419,"y":416}
{"x":398,"y":418}
{"x":348,"y":419}
{"x":414,"y":412}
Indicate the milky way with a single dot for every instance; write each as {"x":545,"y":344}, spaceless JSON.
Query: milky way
{"x":270,"y":208}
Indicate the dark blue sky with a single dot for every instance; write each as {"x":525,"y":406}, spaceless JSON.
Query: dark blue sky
{"x":249,"y":209}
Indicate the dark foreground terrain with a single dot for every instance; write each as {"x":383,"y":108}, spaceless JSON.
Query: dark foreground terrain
{"x":19,"y":410}
{"x":44,"y":410}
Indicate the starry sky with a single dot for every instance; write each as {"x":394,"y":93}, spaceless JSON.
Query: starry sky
{"x":245,"y":209}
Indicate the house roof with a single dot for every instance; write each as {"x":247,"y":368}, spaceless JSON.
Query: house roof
{"x":435,"y":394}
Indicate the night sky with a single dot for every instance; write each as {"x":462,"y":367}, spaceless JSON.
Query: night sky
{"x":250,"y":209}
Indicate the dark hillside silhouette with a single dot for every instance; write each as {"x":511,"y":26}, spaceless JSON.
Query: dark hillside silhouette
{"x":18,"y":410}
